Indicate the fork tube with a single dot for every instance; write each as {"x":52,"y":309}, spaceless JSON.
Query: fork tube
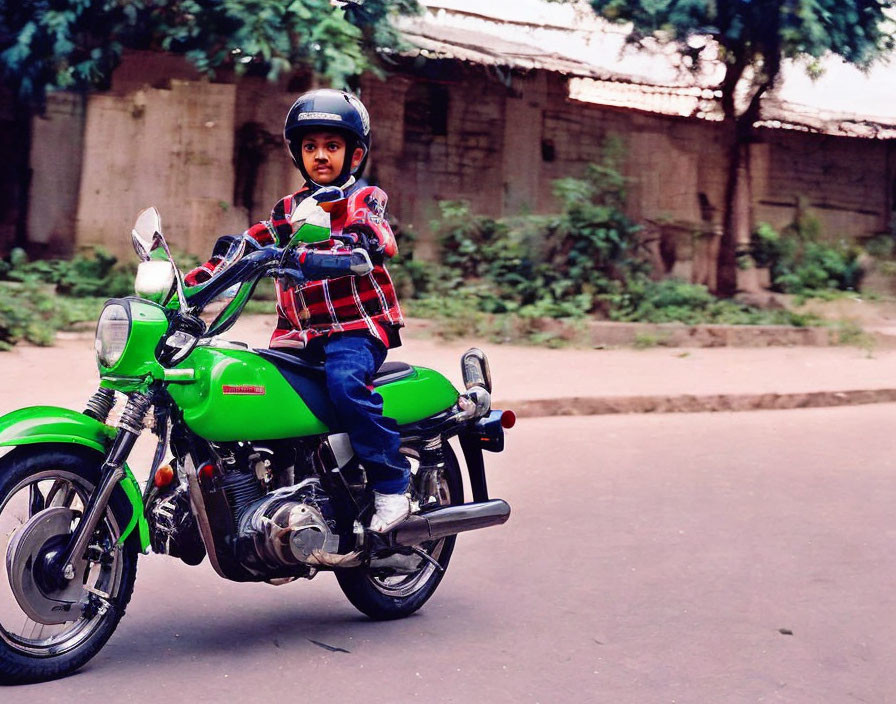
{"x":111,"y":473}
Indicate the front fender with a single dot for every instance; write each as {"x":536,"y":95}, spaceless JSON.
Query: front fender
{"x":51,"y":424}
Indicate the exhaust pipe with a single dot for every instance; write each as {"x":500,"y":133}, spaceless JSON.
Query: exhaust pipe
{"x":450,"y":520}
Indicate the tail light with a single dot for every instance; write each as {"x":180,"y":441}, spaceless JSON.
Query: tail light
{"x":508,"y":420}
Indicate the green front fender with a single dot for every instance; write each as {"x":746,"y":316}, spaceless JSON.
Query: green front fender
{"x":50,"y":424}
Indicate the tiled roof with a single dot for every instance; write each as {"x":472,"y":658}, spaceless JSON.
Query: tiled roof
{"x":567,"y":38}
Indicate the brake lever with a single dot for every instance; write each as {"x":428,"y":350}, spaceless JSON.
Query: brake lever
{"x":289,"y":275}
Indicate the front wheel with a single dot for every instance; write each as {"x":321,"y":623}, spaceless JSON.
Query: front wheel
{"x":398,"y":585}
{"x":50,"y":627}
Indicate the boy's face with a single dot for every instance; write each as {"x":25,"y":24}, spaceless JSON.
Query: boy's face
{"x":323,"y":154}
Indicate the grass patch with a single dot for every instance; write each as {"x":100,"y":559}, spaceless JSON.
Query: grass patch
{"x":32,"y":312}
{"x":849,"y":332}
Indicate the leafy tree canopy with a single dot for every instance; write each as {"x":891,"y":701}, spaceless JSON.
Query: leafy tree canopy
{"x":758,"y":34}
{"x":76,"y":44}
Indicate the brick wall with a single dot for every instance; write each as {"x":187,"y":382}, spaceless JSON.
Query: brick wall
{"x":844,"y":181}
{"x":443,"y":131}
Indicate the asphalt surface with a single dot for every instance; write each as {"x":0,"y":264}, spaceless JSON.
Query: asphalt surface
{"x":728,"y":557}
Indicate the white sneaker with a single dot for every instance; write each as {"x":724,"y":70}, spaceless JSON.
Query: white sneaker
{"x":389,"y":511}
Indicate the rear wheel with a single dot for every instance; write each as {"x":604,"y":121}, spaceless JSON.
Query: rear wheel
{"x":398,"y":585}
{"x":51,"y":627}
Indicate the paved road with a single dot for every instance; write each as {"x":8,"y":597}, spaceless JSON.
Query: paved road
{"x":729,"y":557}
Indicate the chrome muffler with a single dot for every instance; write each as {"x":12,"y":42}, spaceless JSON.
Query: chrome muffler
{"x":450,"y":520}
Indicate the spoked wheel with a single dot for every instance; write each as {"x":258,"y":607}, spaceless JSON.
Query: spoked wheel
{"x":397,"y":585}
{"x":49,"y":626}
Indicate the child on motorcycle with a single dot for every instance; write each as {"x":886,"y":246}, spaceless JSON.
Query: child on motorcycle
{"x":350,"y":321}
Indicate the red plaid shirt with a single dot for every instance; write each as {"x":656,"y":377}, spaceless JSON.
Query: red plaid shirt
{"x":317,"y":308}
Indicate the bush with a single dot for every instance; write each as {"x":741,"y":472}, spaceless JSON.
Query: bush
{"x":40,"y":297}
{"x":559,"y":266}
{"x":97,"y":274}
{"x":799,"y":263}
{"x":673,"y":300}
{"x":30,"y":311}
{"x":586,"y":260}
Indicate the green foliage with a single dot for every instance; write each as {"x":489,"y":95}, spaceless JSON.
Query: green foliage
{"x":672,"y":300}
{"x":800,"y":264}
{"x":409,"y":275}
{"x":761,"y":32}
{"x":499,"y":278}
{"x":78,"y":43}
{"x":31,"y":311}
{"x":556,"y":266}
{"x":81,"y":276}
{"x":27,"y":313}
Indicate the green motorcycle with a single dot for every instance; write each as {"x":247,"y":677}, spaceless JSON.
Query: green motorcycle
{"x":260,"y":478}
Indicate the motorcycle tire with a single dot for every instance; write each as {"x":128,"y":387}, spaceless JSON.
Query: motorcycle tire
{"x":31,"y":481}
{"x":385,"y":599}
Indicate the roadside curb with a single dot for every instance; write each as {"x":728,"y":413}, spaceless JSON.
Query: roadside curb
{"x":687,"y":403}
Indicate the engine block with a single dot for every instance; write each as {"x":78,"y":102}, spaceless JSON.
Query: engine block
{"x":293,"y":526}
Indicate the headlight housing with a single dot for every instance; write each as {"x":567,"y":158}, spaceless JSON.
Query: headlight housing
{"x":112,"y":333}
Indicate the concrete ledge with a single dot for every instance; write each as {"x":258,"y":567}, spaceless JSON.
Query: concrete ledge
{"x":681,"y":335}
{"x":590,"y":406}
{"x":602,"y":333}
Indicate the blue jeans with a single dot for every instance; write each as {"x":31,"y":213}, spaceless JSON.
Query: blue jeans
{"x":350,"y":360}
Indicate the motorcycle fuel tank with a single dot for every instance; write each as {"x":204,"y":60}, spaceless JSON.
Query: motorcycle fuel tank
{"x":235,"y":394}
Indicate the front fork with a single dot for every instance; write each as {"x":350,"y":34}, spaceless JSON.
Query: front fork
{"x":129,"y":428}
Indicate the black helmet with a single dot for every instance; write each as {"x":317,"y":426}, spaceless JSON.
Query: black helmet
{"x":333,"y":109}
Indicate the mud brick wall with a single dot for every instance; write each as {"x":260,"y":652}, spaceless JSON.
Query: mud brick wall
{"x":436,"y":140}
{"x":210,"y":155}
{"x":843,"y":181}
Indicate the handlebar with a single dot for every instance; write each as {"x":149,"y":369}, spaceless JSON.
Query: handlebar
{"x":293,"y":267}
{"x":251,"y":267}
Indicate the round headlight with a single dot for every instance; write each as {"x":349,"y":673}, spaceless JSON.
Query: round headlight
{"x":112,"y":332}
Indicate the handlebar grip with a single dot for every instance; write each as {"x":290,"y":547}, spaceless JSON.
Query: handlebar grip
{"x":316,"y":265}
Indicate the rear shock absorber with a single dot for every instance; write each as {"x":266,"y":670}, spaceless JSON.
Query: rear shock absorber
{"x":432,"y":460}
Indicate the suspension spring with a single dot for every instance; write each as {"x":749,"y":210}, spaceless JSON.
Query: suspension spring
{"x":100,"y":404}
{"x":432,"y":460}
{"x":134,"y":412}
{"x":432,"y":453}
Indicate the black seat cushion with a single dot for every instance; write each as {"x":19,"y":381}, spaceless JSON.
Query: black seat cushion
{"x":307,"y":378}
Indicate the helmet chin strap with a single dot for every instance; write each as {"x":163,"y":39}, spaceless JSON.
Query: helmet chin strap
{"x":315,"y":185}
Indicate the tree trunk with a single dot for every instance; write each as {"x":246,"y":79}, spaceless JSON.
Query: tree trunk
{"x":726,"y":266}
{"x":738,"y":214}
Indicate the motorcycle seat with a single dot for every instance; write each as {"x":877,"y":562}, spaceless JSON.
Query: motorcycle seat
{"x":386,"y":374}
{"x":307,"y":379}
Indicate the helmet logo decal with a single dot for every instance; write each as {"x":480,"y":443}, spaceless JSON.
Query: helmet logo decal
{"x":362,"y":111}
{"x":319,"y":116}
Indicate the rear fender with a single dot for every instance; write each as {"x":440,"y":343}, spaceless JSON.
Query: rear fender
{"x":53,"y":425}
